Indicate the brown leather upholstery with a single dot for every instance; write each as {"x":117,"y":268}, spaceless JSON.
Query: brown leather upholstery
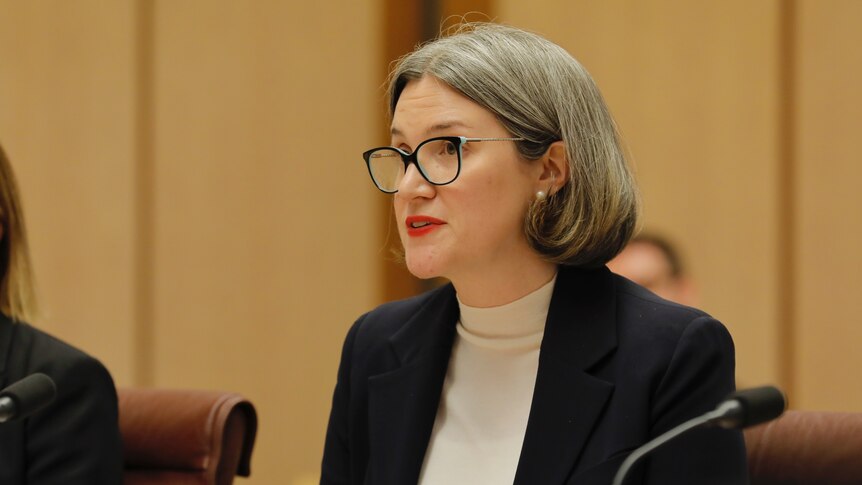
{"x":179,"y":437}
{"x":806,"y":447}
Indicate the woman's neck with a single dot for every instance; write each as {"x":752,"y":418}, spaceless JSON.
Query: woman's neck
{"x":503,"y":284}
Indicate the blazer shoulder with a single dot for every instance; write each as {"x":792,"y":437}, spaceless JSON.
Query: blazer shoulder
{"x":643,"y":316}
{"x":34,"y":350}
{"x":44,"y":347}
{"x":635,"y":302}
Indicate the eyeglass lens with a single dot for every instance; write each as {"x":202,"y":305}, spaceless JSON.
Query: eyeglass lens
{"x":436,"y":159}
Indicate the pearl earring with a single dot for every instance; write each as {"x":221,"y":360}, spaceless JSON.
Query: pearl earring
{"x":541,"y":195}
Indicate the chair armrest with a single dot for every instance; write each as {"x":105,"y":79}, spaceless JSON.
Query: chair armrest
{"x":209,"y":432}
{"x":804,"y":447}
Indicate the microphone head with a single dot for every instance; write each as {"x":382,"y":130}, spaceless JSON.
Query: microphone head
{"x":759,"y":405}
{"x":30,"y":394}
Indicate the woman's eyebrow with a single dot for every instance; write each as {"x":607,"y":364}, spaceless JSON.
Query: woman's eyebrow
{"x":446,"y":126}
{"x":437,"y":127}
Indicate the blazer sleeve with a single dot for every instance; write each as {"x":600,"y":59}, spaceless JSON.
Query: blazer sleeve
{"x":335,"y":469}
{"x":76,"y":440}
{"x":700,"y":374}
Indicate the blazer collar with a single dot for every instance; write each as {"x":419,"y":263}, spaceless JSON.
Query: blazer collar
{"x":581,"y":326}
{"x":430,"y":329}
{"x":402,"y":403}
{"x":567,"y":400}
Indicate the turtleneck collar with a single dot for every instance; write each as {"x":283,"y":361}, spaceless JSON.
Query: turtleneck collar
{"x":513,"y":325}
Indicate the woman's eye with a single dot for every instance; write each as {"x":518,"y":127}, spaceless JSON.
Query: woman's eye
{"x":450,"y":148}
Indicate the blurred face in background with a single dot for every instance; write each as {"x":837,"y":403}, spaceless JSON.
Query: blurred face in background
{"x":648,"y":265}
{"x":465,"y":228}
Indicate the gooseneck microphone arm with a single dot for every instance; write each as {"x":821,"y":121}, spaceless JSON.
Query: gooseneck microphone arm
{"x":741,"y":409}
{"x":660,"y":440}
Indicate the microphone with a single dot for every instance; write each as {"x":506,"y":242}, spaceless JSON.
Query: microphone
{"x":26,"y":396}
{"x":739,"y":410}
{"x":749,"y":407}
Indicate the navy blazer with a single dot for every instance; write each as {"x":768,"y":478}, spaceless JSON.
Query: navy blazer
{"x":617,"y":367}
{"x":76,"y":439}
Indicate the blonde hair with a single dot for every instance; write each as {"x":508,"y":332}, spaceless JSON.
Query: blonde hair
{"x":539,"y":92}
{"x":17,"y":290}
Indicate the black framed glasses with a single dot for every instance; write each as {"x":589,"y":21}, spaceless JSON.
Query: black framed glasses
{"x":438,"y":160}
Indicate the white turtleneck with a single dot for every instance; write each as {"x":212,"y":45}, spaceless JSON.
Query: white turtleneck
{"x":483,"y":411}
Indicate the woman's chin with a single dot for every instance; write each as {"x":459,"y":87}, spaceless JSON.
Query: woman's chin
{"x":422,"y":269}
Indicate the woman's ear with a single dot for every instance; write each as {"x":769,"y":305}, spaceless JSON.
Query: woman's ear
{"x":555,"y":168}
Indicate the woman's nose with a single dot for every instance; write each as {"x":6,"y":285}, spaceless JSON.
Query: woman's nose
{"x":413,"y":184}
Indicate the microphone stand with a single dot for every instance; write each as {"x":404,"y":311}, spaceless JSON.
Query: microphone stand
{"x":725,"y":416}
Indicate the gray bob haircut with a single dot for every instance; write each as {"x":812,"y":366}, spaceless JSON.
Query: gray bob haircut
{"x":539,"y":92}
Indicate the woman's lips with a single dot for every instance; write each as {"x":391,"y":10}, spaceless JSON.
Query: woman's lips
{"x":421,"y":225}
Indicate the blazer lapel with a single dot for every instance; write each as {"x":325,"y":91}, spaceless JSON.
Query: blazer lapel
{"x":567,"y":400}
{"x":403,"y":402}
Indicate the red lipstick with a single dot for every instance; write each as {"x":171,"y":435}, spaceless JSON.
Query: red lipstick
{"x":421,"y":225}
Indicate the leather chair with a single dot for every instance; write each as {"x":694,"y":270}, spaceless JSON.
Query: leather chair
{"x":185,"y":437}
{"x":806,"y":447}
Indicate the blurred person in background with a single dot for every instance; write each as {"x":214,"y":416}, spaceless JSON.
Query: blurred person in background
{"x":76,"y":439}
{"x":655,"y":263}
{"x":535,"y":364}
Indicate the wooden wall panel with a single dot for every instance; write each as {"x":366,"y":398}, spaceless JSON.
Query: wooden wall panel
{"x":693,"y":86}
{"x":265,"y":227}
{"x":67,"y":97}
{"x":829,"y":228}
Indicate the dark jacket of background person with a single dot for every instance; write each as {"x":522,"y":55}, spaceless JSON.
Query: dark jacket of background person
{"x":76,"y":439}
{"x":617,"y":367}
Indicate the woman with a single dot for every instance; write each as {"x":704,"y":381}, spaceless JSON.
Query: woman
{"x":75,"y":440}
{"x":536,"y":365}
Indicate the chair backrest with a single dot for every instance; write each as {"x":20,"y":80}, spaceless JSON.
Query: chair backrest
{"x":179,"y":437}
{"x":806,"y":447}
